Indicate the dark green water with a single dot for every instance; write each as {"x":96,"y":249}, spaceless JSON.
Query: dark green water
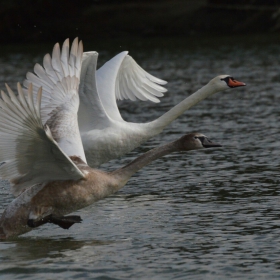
{"x":201,"y":215}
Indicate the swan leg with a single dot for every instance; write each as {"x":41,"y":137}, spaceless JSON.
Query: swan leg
{"x":64,"y":222}
{"x":33,"y":223}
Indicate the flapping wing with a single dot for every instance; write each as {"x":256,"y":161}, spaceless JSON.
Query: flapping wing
{"x":28,"y":153}
{"x":92,"y":114}
{"x":60,"y":78}
{"x":119,"y":78}
{"x":128,"y":80}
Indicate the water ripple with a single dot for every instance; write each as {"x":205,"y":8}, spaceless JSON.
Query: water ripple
{"x":204,"y":214}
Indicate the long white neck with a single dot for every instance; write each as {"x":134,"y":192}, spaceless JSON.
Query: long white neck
{"x":163,"y":121}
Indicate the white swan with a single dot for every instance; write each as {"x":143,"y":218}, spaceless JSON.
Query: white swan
{"x":105,"y":135}
{"x":50,"y":178}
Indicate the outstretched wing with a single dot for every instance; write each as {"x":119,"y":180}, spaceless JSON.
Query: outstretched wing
{"x":60,"y":78}
{"x":125,"y":79}
{"x":28,"y":153}
{"x":119,"y":78}
{"x":92,"y":113}
{"x":134,"y":82}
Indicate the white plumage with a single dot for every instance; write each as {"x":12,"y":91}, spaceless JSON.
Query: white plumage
{"x":123,"y":78}
{"x":105,"y":135}
{"x":60,"y":78}
{"x":45,"y":161}
{"x":49,"y":184}
{"x":28,"y":152}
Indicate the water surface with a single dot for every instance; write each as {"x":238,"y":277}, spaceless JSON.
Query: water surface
{"x":200,"y":215}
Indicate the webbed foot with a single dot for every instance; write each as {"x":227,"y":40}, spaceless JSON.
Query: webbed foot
{"x":64,"y":222}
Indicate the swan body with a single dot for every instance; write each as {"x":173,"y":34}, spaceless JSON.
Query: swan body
{"x":104,"y":133}
{"x":110,"y":138}
{"x":49,"y":175}
{"x":58,"y":198}
{"x":42,"y":199}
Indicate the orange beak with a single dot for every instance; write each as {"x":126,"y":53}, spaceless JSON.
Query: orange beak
{"x":234,"y":83}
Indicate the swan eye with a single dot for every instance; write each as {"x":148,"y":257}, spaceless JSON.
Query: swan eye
{"x":227,"y":80}
{"x":232,"y":83}
{"x":200,"y":138}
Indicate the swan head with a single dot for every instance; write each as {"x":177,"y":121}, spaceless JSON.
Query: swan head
{"x":195,"y":141}
{"x":223,"y":82}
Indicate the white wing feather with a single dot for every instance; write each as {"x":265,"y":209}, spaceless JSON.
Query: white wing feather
{"x":28,"y":152}
{"x":119,"y":78}
{"x":127,"y":80}
{"x":60,"y":78}
{"x":92,"y":114}
{"x":134,"y":82}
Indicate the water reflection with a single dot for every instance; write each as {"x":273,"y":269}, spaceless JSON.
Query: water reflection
{"x":27,"y":249}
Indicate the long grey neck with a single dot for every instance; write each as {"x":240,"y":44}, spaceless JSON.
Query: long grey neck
{"x":123,"y":174}
{"x":175,"y":112}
